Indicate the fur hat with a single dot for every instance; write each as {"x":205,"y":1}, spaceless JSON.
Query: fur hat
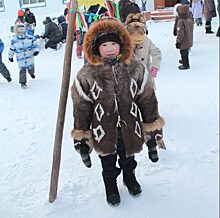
{"x":20,"y":29}
{"x":136,"y":24}
{"x":20,"y":13}
{"x":102,"y":30}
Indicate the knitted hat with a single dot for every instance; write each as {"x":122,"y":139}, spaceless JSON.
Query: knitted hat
{"x":27,"y":9}
{"x":20,"y":28}
{"x":20,"y":13}
{"x":106,"y":37}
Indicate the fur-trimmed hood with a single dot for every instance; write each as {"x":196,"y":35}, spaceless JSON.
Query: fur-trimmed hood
{"x":104,"y":25}
{"x":183,"y":11}
{"x":175,"y":9}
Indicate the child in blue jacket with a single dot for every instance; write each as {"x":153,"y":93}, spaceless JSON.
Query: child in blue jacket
{"x":25,"y":47}
{"x":3,"y":69}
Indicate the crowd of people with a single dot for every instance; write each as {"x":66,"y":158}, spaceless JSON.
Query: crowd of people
{"x":121,"y":64}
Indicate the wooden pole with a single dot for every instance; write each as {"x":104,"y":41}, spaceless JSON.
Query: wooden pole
{"x":62,"y":105}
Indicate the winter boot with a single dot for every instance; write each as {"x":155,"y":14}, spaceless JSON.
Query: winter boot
{"x":23,"y":85}
{"x":111,"y":189}
{"x":9,"y":79}
{"x":185,"y":59}
{"x":208,"y":27}
{"x":180,"y":61}
{"x":152,"y":150}
{"x":32,"y":76}
{"x":131,"y":183}
{"x":110,"y":173}
{"x":208,"y":30}
{"x":182,"y":67}
{"x":128,"y":165}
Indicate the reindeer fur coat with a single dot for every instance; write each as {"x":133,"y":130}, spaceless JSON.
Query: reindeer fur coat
{"x":112,"y":94}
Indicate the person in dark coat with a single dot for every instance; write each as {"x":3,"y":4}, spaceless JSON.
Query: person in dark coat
{"x":127,"y":7}
{"x":184,"y":38}
{"x":209,"y":13}
{"x":29,"y":17}
{"x":3,"y":69}
{"x":52,"y":33}
{"x":30,"y":21}
{"x":120,"y":126}
{"x":62,"y":26}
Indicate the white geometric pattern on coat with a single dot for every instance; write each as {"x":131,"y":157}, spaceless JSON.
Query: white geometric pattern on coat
{"x":95,"y":90}
{"x":134,"y":109}
{"x":138,"y":129}
{"x":99,"y":133}
{"x":133,"y":88}
{"x":99,"y":111}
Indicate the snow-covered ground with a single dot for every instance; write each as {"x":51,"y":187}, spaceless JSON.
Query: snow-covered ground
{"x":183,"y":184}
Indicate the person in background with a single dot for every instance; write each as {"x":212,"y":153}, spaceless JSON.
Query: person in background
{"x":81,"y":28}
{"x":126,"y":7}
{"x":52,"y":33}
{"x":30,"y":21}
{"x":3,"y":69}
{"x":116,"y":128}
{"x":62,"y":24}
{"x":25,"y":47}
{"x":179,"y":2}
{"x":20,"y":18}
{"x":65,"y":13}
{"x":209,"y":13}
{"x":184,"y":38}
{"x":29,"y":17}
{"x":197,"y":7}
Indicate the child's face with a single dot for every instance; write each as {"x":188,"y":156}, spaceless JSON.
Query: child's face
{"x":109,"y":49}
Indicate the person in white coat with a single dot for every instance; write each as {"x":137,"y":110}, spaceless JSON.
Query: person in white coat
{"x":145,"y":50}
{"x":197,"y":7}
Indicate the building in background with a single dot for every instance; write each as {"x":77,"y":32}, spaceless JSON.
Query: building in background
{"x":163,"y":3}
{"x":9,"y":8}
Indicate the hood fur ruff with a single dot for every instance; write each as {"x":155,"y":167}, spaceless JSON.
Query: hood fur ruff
{"x":103,"y":25}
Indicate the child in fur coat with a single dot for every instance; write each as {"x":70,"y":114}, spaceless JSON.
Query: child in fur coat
{"x":184,"y":38}
{"x":117,"y":127}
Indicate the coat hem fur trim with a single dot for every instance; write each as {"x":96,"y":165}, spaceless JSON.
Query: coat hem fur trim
{"x":80,"y":134}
